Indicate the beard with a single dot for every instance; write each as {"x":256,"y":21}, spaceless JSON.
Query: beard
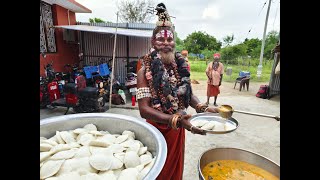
{"x":167,"y":57}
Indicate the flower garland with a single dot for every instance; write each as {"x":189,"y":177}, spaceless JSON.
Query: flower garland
{"x":169,"y":84}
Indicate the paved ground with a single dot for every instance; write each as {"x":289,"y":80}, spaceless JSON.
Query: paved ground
{"x":257,"y":134}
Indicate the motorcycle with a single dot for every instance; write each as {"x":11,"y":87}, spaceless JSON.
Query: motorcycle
{"x":81,"y":98}
{"x":49,"y":90}
{"x":131,"y":84}
{"x":44,"y":96}
{"x":103,"y":84}
{"x":98,"y":76}
{"x":61,"y":78}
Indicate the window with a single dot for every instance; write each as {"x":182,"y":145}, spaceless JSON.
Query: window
{"x":47,"y":37}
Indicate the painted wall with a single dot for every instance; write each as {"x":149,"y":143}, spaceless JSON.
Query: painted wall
{"x":67,"y":53}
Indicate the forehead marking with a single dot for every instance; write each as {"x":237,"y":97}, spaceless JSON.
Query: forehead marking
{"x":164,"y":33}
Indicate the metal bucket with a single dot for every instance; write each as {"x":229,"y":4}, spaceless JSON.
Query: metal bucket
{"x":115,"y":124}
{"x":237,"y":154}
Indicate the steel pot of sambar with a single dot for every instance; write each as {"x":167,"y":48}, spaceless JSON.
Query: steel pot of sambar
{"x":214,"y":159}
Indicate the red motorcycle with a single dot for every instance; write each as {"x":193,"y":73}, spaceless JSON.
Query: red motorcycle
{"x":81,"y":98}
{"x":44,"y":94}
{"x":49,"y":90}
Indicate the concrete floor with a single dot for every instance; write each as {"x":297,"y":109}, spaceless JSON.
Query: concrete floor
{"x":258,"y":134}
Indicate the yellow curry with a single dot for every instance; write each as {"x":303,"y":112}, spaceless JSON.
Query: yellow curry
{"x":235,"y":170}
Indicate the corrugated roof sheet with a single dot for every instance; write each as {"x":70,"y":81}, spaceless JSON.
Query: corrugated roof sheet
{"x":142,"y":26}
{"x":111,"y":30}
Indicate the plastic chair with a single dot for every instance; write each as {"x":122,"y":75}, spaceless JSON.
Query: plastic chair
{"x":243,"y":80}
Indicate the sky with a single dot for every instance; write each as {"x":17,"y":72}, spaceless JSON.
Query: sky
{"x":218,"y":18}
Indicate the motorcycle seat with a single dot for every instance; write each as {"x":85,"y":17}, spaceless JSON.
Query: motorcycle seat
{"x":92,"y":92}
{"x":94,"y":73}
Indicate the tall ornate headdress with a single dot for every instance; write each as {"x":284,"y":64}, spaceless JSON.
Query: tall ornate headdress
{"x":163,"y":16}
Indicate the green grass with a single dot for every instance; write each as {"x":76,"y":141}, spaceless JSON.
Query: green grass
{"x":198,"y":69}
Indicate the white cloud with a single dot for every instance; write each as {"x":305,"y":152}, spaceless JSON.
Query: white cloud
{"x":104,"y":9}
{"x":211,"y":12}
{"x":218,"y":18}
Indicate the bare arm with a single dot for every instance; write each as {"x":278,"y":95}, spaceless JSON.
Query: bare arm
{"x":145,"y":106}
{"x":208,"y":70}
{"x":194,"y":101}
{"x":221,"y":74}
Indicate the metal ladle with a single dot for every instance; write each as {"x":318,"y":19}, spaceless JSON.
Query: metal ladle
{"x":226,"y":112}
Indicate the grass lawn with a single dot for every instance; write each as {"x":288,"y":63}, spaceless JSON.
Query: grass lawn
{"x":198,"y":69}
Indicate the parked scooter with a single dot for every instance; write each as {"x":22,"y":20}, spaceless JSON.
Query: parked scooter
{"x":98,"y":77}
{"x":81,"y":98}
{"x":61,"y":78}
{"x":49,"y":86}
{"x":131,"y":84}
{"x":44,"y":95}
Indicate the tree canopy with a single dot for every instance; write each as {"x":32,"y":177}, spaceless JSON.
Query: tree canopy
{"x":228,"y":40}
{"x":203,"y":43}
{"x":96,"y":20}
{"x":135,"y":11}
{"x":198,"y":41}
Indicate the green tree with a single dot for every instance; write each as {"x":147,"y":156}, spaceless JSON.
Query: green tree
{"x":135,"y":11}
{"x":253,"y":46}
{"x":179,"y":43}
{"x":228,"y":40}
{"x":198,"y":41}
{"x":178,"y":40}
{"x":208,"y":54}
{"x":96,"y":20}
{"x":234,"y":52}
{"x":226,"y":53}
{"x":271,"y":41}
{"x":239,"y":50}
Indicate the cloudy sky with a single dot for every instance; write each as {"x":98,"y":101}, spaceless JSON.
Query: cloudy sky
{"x":218,"y":18}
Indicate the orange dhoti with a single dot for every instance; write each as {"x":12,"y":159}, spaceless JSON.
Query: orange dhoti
{"x":175,"y":139}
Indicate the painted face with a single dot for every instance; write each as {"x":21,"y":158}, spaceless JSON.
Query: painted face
{"x":164,"y":41}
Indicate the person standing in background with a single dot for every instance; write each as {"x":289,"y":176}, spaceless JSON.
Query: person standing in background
{"x":184,"y":54}
{"x":214,"y":73}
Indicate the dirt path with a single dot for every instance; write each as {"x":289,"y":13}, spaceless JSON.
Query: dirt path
{"x":226,"y":88}
{"x":258,"y":134}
